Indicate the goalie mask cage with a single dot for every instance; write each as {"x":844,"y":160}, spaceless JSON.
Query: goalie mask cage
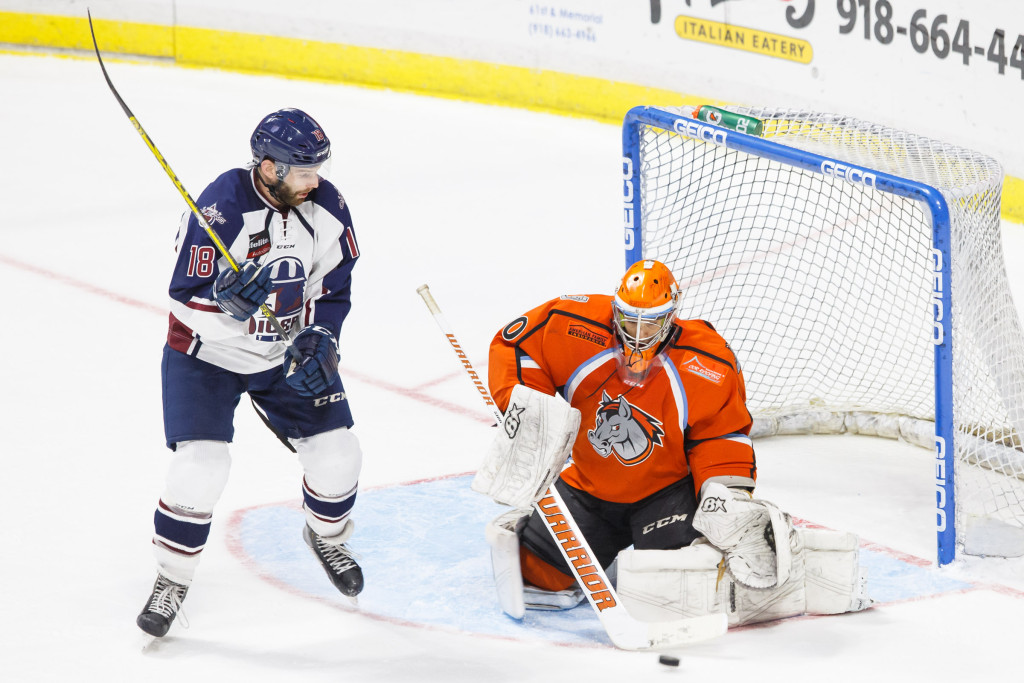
{"x":858,"y":273}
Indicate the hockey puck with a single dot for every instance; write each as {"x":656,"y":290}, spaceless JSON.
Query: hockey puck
{"x":668,"y":660}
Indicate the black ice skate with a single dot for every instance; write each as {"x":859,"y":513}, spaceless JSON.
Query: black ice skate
{"x":162,"y":607}
{"x":337,"y":561}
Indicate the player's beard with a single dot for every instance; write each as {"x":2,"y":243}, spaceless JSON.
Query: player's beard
{"x":290,"y":197}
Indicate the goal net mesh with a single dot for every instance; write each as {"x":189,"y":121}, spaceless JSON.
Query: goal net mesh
{"x":824,"y":287}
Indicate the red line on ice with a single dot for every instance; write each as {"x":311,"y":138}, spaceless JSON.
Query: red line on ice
{"x":410,"y":393}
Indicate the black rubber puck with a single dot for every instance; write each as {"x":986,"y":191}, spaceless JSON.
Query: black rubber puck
{"x":668,"y":660}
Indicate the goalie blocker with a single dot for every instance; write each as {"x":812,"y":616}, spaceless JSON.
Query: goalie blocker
{"x":529,"y":451}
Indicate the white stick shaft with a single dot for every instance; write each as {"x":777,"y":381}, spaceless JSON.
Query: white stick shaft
{"x":424,"y":291}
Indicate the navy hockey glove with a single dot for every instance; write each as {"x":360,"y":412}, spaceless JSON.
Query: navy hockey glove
{"x":240,"y":294}
{"x":319,"y":365}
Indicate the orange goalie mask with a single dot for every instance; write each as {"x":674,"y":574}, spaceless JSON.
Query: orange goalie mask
{"x":643,"y":310}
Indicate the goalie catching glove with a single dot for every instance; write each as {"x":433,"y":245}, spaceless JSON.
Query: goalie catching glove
{"x":754,"y":535}
{"x":529,"y":450}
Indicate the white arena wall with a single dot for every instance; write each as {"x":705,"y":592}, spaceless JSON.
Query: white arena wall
{"x":950,"y":69}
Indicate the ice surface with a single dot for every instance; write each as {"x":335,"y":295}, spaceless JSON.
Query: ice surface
{"x":496,"y":209}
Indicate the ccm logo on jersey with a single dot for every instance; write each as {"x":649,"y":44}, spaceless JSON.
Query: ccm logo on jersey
{"x":709,"y":371}
{"x":333,"y":398}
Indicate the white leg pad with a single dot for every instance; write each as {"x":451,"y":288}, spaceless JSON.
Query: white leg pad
{"x":835,"y":581}
{"x":663,"y":585}
{"x":503,"y":536}
{"x":514,"y":596}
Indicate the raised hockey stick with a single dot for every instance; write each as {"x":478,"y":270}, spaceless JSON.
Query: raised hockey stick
{"x":214,"y":237}
{"x":624,"y":631}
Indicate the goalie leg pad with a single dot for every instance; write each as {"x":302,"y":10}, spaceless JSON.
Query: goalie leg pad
{"x":835,"y":581}
{"x":514,"y":596}
{"x":825,"y":578}
{"x":664,"y":585}
{"x":529,"y":450}
{"x":503,"y":536}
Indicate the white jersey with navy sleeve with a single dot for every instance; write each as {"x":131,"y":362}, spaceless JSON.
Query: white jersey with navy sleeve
{"x":310,"y":251}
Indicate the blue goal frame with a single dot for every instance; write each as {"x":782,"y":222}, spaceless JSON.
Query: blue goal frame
{"x":883,"y":182}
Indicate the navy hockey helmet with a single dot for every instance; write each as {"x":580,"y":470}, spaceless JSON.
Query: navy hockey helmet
{"x":290,"y":137}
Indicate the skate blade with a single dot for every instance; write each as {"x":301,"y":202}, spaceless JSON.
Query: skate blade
{"x":149,"y":643}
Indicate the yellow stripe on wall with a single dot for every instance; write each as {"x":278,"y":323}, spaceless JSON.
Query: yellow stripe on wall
{"x":408,"y":71}
{"x":1013,"y":199}
{"x":122,"y":37}
{"x":538,"y":90}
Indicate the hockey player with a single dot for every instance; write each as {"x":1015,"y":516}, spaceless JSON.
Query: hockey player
{"x":290,"y":232}
{"x":653,"y":411}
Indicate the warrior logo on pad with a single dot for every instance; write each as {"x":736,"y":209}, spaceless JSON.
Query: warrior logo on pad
{"x":624,"y":429}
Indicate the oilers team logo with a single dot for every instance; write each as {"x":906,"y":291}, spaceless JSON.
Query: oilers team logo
{"x":625,"y":430}
{"x":286,"y":298}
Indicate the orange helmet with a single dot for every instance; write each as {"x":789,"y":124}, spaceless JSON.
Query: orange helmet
{"x":643,"y":310}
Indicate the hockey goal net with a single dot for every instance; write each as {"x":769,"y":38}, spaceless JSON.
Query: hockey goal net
{"x":858,"y":272}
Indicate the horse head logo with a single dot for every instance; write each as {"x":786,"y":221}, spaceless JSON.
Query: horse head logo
{"x":625,"y":430}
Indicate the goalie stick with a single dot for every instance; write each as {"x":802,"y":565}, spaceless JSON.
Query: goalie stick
{"x":623,"y":629}
{"x":214,"y":237}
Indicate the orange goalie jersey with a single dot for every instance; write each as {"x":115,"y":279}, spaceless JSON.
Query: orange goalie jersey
{"x":689,"y":417}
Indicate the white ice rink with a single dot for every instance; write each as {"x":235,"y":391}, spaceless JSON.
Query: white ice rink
{"x":497,"y":210}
